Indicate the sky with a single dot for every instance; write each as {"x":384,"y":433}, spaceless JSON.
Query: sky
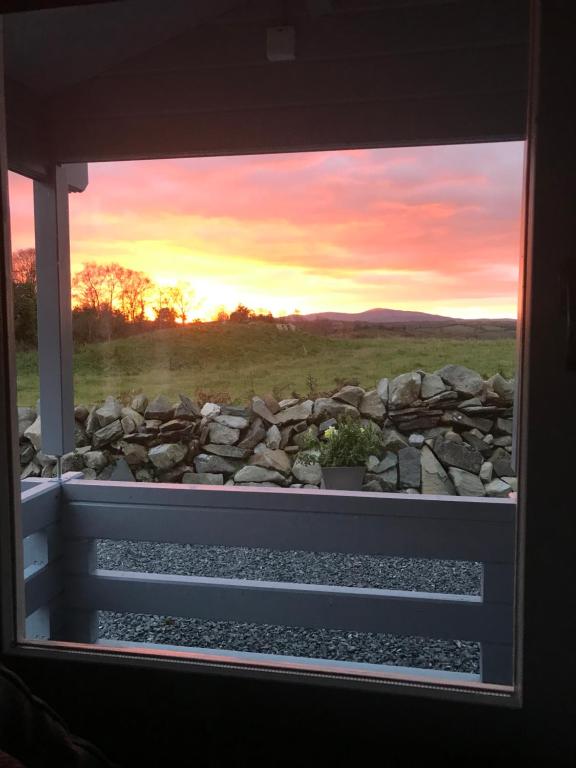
{"x":433,"y":229}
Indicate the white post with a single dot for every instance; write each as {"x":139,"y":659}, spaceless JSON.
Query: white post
{"x":54,"y":313}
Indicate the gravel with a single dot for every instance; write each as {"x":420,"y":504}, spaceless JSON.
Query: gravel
{"x":304,"y":567}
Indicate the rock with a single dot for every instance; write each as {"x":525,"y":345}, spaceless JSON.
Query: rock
{"x":288,"y":403}
{"x":416,"y":441}
{"x":389,"y":461}
{"x":71,"y":462}
{"x":435,"y":480}
{"x":503,"y":442}
{"x":203,"y":478}
{"x":371,"y":463}
{"x":206,"y":462}
{"x":259,"y":448}
{"x":252,"y":474}
{"x":512,"y":482}
{"x":277,"y":460}
{"x":128,"y":425}
{"x":404,"y":389}
{"x":176,"y":425}
{"x":257,"y":485}
{"x":463,"y":421}
{"x":89,"y":474}
{"x":272,"y":404}
{"x":140,"y":403}
{"x":91,"y":423}
{"x":409,"y":475}
{"x":234,"y":422}
{"x":371,"y":485}
{"x":383,"y":389}
{"x":260,"y":408}
{"x":186,"y":409}
{"x":26,"y":417}
{"x":81,"y":439}
{"x":81,"y":413}
{"x":506,"y":390}
{"x":144,"y":476}
{"x":478,"y":443}
{"x":442,"y":399}
{"x":393,"y":441}
{"x":389,"y":479}
{"x":504,"y":427}
{"x":310,"y":474}
{"x":31,"y":470}
{"x":223,"y":435}
{"x":131,"y":413}
{"x":229,"y":451}
{"x":472,"y":402}
{"x":296,"y":413}
{"x":45,"y":459}
{"x":135,"y":455}
{"x":432,"y":385}
{"x":324,"y":425}
{"x":498,"y":488}
{"x":466,"y":483}
{"x":301,"y":440}
{"x":464,"y":380}
{"x":328,"y":408}
{"x":160,"y":408}
{"x":27,"y":453}
{"x":459,"y":455}
{"x":152,"y":425}
{"x":502,"y":463}
{"x":372,"y":406}
{"x":209,"y":410}
{"x":350,"y":394}
{"x":107,"y":434}
{"x":109,"y":412}
{"x":486,"y":471}
{"x":273,"y":438}
{"x":122,"y":472}
{"x":34,"y":433}
{"x":48,"y":471}
{"x":256,"y":432}
{"x":167,"y":455}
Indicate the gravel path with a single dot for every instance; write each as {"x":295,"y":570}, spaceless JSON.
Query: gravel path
{"x":304,"y":567}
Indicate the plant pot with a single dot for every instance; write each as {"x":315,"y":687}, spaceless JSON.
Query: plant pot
{"x":343,"y":478}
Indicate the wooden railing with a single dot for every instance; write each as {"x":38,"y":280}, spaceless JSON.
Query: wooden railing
{"x":64,"y":588}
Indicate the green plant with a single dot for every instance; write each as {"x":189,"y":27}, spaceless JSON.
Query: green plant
{"x":348,"y":444}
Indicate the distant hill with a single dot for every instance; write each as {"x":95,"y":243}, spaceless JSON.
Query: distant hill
{"x":375,"y":316}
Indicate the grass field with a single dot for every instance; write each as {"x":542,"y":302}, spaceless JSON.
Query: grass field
{"x":233,"y":362}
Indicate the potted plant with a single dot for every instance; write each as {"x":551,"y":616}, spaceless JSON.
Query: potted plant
{"x":342,"y":452}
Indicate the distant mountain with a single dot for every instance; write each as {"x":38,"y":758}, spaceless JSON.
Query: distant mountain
{"x":375,"y":316}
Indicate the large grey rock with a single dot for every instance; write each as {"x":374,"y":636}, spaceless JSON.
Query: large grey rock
{"x":107,"y":434}
{"x":307,"y":473}
{"x":288,"y":402}
{"x":460,"y":420}
{"x":435,"y":480}
{"x":404,"y":390}
{"x":277,"y":460}
{"x":81,"y":413}
{"x":486,"y":471}
{"x":91,"y":423}
{"x":502,"y":463}
{"x":31,"y":470}
{"x":372,"y":406}
{"x":167,"y":455}
{"x":464,"y":380}
{"x":186,"y":409}
{"x":350,"y":394}
{"x":503,"y":388}
{"x":45,"y":459}
{"x":121,"y":472}
{"x":27,"y":453}
{"x":504,"y":427}
{"x":460,"y":455}
{"x":416,"y":441}
{"x":466,"y":483}
{"x":498,"y":488}
{"x":294,"y":414}
{"x":34,"y":433}
{"x":81,"y":438}
{"x":223,"y":435}
{"x":26,"y":417}
{"x":328,"y":408}
{"x":383,"y":390}
{"x":210,"y":463}
{"x":273,"y":438}
{"x":254,"y":435}
{"x":140,"y":403}
{"x":160,"y":408}
{"x":131,"y":413}
{"x":135,"y":455}
{"x":109,"y":412}
{"x":203,"y":478}
{"x":234,"y":422}
{"x":432,"y":385}
{"x":252,"y":474}
{"x":409,"y":475}
{"x":393,"y":440}
{"x":96,"y":459}
{"x":271,"y":402}
{"x":229,"y":451}
{"x":260,"y":408}
{"x":210,"y":410}
{"x":389,"y":461}
{"x":71,"y":462}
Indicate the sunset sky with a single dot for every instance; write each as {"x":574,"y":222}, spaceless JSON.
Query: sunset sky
{"x":435,"y":229}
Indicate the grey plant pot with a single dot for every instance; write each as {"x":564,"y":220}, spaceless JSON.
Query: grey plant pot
{"x":343,"y":478}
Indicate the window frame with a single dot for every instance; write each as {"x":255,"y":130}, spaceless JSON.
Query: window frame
{"x":539,"y":695}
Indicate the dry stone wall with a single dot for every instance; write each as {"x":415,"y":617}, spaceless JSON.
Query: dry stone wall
{"x":447,"y":432}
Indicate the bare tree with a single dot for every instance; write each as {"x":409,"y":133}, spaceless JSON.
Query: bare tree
{"x":24,"y":266}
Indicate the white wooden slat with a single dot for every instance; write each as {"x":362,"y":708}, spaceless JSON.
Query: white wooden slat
{"x":313,"y":606}
{"x":40,"y":507}
{"x":42,"y":586}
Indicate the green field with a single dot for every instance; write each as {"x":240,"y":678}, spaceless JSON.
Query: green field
{"x":233,"y":362}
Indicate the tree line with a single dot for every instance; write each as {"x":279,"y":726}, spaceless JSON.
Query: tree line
{"x":110,"y":301}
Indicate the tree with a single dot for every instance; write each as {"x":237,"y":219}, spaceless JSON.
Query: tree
{"x":136,"y":287}
{"x":24,"y":267}
{"x":241,"y":314}
{"x":25,"y":296}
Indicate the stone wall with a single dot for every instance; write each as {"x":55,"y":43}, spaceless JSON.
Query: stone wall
{"x":448,"y":432}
